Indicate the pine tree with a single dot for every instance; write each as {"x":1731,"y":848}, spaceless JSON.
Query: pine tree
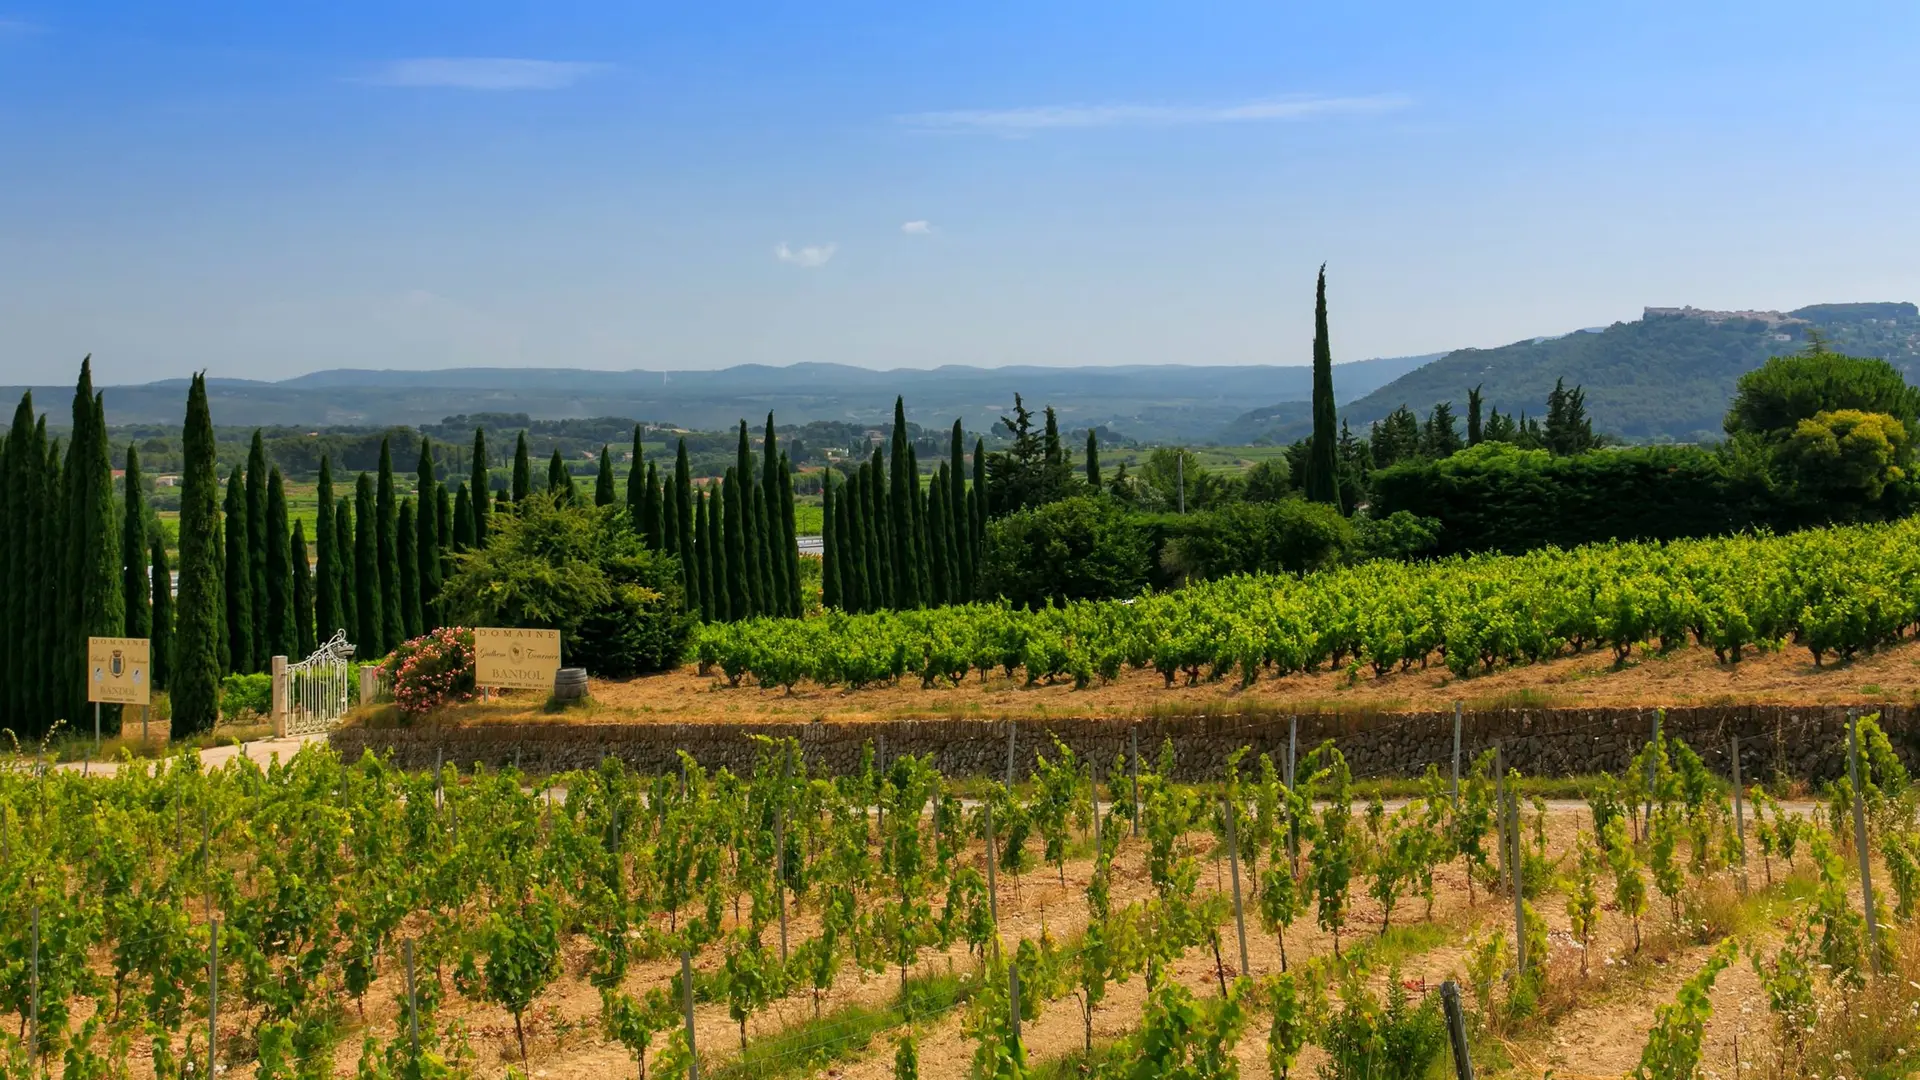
{"x":427,"y":542}
{"x":327,"y":610}
{"x":829,"y":557}
{"x":603,"y":493}
{"x":368,"y":598}
{"x":522,"y":470}
{"x":407,"y":569}
{"x":1475,"y":430}
{"x":683,"y":515}
{"x":906,"y":592}
{"x":257,"y":549}
{"x":193,"y":676}
{"x":733,"y":524}
{"x":160,"y":630}
{"x":133,"y":548}
{"x":1322,"y":466}
{"x":790,"y":544}
{"x":239,"y":590}
{"x":393,"y":618}
{"x":1093,"y":461}
{"x":282,"y":639}
{"x":479,"y":490}
{"x":304,"y":642}
{"x":463,"y":519}
{"x":637,"y":488}
{"x":961,"y":529}
{"x":346,"y":568}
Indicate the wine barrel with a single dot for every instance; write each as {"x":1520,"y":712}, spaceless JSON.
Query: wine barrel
{"x":570,"y":683}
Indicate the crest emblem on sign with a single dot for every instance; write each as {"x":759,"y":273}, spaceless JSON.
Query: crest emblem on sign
{"x":516,"y":652}
{"x":117,"y":664}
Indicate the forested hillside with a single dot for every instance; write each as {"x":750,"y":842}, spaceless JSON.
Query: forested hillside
{"x":1664,"y":376}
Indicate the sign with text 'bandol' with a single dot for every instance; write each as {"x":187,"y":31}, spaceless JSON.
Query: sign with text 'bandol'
{"x":515,"y":659}
{"x":117,"y":670}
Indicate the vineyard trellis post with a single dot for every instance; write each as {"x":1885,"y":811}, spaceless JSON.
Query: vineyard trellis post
{"x":33,"y":1016}
{"x":993,"y":880}
{"x":1093,"y":785}
{"x":1012,"y":731}
{"x":213,"y":997}
{"x":686,"y":982}
{"x":413,"y":1003}
{"x":1134,"y":761}
{"x":1739,"y":809}
{"x":1860,"y":838}
{"x":1233,"y":863}
{"x":1293,"y":746}
{"x":1519,"y":882}
{"x":1456,"y":752}
{"x":780,"y":871}
{"x":1013,"y":1001}
{"x":1500,"y":808}
{"x":1456,"y":1029}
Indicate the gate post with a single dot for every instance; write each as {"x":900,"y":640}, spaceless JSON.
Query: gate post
{"x":369,"y":683}
{"x":279,"y":706}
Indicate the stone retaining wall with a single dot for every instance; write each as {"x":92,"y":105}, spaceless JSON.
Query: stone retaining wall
{"x":1803,"y":742}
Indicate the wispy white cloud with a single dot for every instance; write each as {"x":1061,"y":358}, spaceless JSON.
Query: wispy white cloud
{"x":1032,"y":119}
{"x":484,"y":73}
{"x":809,"y":257}
{"x":917,"y":228}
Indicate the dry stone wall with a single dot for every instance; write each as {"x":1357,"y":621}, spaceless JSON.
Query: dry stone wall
{"x":1798,"y":741}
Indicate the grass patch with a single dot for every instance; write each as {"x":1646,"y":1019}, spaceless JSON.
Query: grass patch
{"x":811,"y":1045}
{"x":1080,"y":1063}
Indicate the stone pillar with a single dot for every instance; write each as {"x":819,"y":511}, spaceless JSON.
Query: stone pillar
{"x":279,"y":708}
{"x":369,"y":683}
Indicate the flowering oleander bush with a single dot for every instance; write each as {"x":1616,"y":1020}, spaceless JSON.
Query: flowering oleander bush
{"x":432,"y":670}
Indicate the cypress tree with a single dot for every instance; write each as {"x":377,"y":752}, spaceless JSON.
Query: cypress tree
{"x":102,"y":611}
{"x":345,"y":558}
{"x":304,"y":642}
{"x":654,"y":514}
{"x":977,"y":505}
{"x":20,"y":479}
{"x":829,"y":557}
{"x":683,"y":515}
{"x":522,"y":470}
{"x":637,"y":488}
{"x":500,"y":503}
{"x":463,"y":519}
{"x":133,"y":548}
{"x":750,"y":527}
{"x":481,"y":485}
{"x":257,"y":548}
{"x":69,"y":656}
{"x":703,"y":547}
{"x":1475,"y":429}
{"x":1322,"y":455}
{"x":160,"y":630}
{"x":959,"y":527}
{"x":50,"y":564}
{"x":669,"y":532}
{"x":762,"y":576}
{"x":326,"y":579}
{"x":239,"y":576}
{"x":603,"y":493}
{"x":367,"y":595}
{"x":790,"y":544}
{"x":443,"y":539}
{"x":906,"y":592}
{"x":880,"y":535}
{"x":393,"y":618}
{"x":854,"y":589}
{"x":779,"y":590}
{"x":937,"y":558}
{"x":733,"y":524}
{"x":1093,"y":461}
{"x":427,"y":540}
{"x":193,"y":676}
{"x":559,"y":483}
{"x":282,"y":639}
{"x":407,"y":569}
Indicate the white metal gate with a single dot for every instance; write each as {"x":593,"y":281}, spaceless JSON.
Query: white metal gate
{"x":318,"y":687}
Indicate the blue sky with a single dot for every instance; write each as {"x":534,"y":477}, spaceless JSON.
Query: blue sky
{"x":267,"y":189}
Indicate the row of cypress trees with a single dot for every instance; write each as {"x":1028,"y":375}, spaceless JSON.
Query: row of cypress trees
{"x":892,"y":543}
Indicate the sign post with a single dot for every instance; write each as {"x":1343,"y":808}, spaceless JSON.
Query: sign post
{"x":516,"y":659}
{"x":117,"y":674}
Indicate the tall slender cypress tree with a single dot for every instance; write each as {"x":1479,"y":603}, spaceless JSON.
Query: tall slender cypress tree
{"x":959,"y":529}
{"x":669,"y":529}
{"x":880,"y":540}
{"x":733,"y":524}
{"x":239,"y":592}
{"x":779,"y":590}
{"x":481,"y":489}
{"x":393,"y":618}
{"x":193,"y":677}
{"x":346,"y":568}
{"x":407,"y":569}
{"x":303,"y":640}
{"x":133,"y":551}
{"x":710,"y":607}
{"x":755,"y":579}
{"x":327,"y":612}
{"x":282,"y":638}
{"x":102,"y":611}
{"x":559,"y":481}
{"x":683,"y":515}
{"x":829,"y":557}
{"x":21,"y":482}
{"x":603,"y":493}
{"x":1323,"y":461}
{"x":790,"y":543}
{"x":160,"y":630}
{"x":463,"y":519}
{"x":653,"y":515}
{"x":368,"y":599}
{"x":854,"y":590}
{"x":768,"y":603}
{"x":637,"y":488}
{"x":69,"y":645}
{"x":52,"y":697}
{"x":940,"y":579}
{"x":1093,"y":461}
{"x":426,"y":539}
{"x":917,"y":502}
{"x":522,"y":470}
{"x":257,"y":545}
{"x":906,"y":584}
{"x":443,"y":539}
{"x":977,"y":505}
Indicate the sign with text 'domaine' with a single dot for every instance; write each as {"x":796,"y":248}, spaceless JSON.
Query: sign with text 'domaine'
{"x":118,"y":670}
{"x":515,"y":659}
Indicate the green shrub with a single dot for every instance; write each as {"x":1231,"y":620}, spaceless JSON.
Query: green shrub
{"x":1367,"y":1041}
{"x":582,"y":570}
{"x":1082,"y":548}
{"x":1254,"y":538}
{"x":245,"y":693}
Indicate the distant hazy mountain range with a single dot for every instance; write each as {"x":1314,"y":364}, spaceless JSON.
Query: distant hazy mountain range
{"x":1149,"y":402}
{"x":1666,"y":375}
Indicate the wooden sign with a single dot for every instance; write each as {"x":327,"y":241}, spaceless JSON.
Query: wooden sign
{"x":118,"y":670}
{"x":516,"y":659}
